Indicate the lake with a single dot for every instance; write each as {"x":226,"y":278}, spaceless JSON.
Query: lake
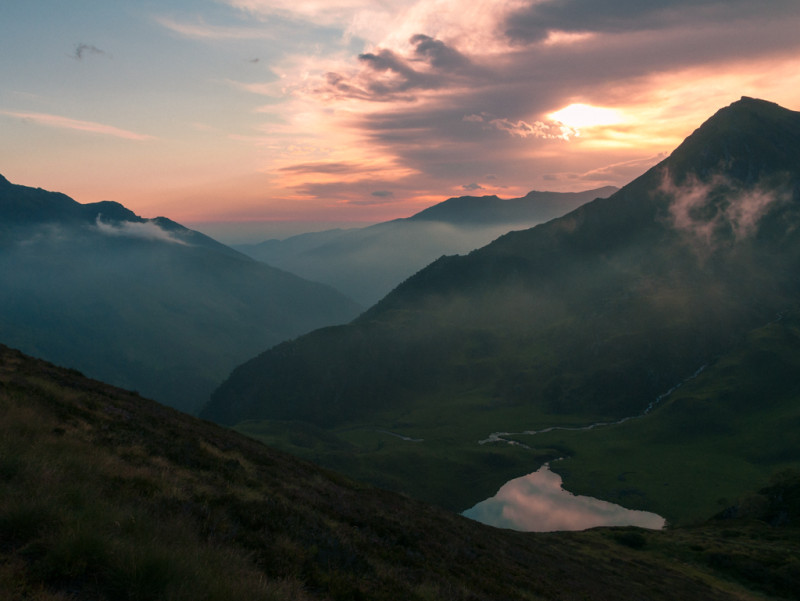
{"x":538,"y":503}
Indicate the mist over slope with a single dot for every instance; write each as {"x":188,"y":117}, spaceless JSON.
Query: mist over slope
{"x":142,"y":303}
{"x":367,"y":263}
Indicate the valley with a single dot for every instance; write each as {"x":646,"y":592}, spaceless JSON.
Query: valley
{"x":407,"y":300}
{"x":672,"y":284}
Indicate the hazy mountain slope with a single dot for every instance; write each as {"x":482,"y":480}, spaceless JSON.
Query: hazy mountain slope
{"x":593,"y":311}
{"x":106,"y":495}
{"x":145,"y":304}
{"x":589,"y":317}
{"x":366,"y":263}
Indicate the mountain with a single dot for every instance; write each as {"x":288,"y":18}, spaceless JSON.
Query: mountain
{"x":367,"y":263}
{"x":588,"y":318}
{"x":107,"y":495}
{"x":146,"y":304}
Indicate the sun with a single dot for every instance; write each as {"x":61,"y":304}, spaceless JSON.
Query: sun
{"x":586,"y":115}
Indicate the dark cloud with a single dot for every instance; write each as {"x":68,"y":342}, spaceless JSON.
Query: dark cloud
{"x":335,"y":168}
{"x":383,"y":193}
{"x":85,"y":49}
{"x":450,"y":115}
{"x":389,"y":76}
{"x":472,"y":187}
{"x":534,"y":22}
{"x":367,"y":202}
{"x":437,"y":53}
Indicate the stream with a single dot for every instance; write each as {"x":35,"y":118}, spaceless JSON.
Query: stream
{"x":501,"y":436}
{"x":538,"y":502}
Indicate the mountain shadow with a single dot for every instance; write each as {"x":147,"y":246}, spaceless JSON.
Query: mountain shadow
{"x":367,"y":263}
{"x":143,"y":303}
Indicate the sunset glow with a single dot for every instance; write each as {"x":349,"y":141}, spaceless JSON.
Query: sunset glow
{"x":363,"y":111}
{"x":584,"y":115}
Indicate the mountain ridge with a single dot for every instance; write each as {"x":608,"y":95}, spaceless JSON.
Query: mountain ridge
{"x":367,"y":263}
{"x":587,"y":318}
{"x":146,"y":304}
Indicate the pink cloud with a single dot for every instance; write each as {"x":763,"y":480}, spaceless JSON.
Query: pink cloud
{"x":75,"y":124}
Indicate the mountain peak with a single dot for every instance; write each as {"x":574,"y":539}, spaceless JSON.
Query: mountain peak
{"x":110,"y":210}
{"x":747,"y":140}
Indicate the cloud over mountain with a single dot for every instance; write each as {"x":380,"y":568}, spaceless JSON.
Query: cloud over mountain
{"x":147,"y":230}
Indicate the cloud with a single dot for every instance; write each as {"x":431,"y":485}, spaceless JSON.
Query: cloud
{"x":383,"y":193}
{"x":445,"y":90}
{"x":387,"y":75}
{"x":327,"y":168}
{"x":437,"y":53}
{"x":472,"y":187}
{"x":82,"y":49}
{"x":536,"y":21}
{"x":321,"y":12}
{"x":147,"y":230}
{"x":710,"y":210}
{"x":625,"y":170}
{"x":552,"y":130}
{"x":75,"y":124}
{"x":203,"y":31}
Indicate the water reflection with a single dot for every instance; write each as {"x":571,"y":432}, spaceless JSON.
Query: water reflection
{"x":538,"y":503}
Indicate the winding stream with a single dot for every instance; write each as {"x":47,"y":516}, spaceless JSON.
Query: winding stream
{"x":501,"y":436}
{"x":538,"y":502}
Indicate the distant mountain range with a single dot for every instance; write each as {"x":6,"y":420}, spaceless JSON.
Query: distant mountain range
{"x":367,"y":263}
{"x":146,"y":304}
{"x":587,"y":318}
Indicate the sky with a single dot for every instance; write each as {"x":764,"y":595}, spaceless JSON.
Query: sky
{"x":239,"y":114}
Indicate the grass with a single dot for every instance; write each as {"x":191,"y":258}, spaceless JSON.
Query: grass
{"x":105,"y":495}
{"x":721,"y":434}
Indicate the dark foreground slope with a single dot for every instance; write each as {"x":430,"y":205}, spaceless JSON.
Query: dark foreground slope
{"x":588,"y":318}
{"x":106,"y":495}
{"x":367,"y":263}
{"x":143,"y":303}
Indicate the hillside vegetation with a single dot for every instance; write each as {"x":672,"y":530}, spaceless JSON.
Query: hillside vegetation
{"x":105,"y":495}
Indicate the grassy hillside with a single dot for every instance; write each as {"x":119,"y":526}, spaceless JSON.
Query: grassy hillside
{"x":106,"y":495}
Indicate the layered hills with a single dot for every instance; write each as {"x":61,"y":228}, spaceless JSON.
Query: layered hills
{"x":367,"y":263}
{"x":146,"y":304}
{"x":107,"y":495}
{"x":589,"y":318}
